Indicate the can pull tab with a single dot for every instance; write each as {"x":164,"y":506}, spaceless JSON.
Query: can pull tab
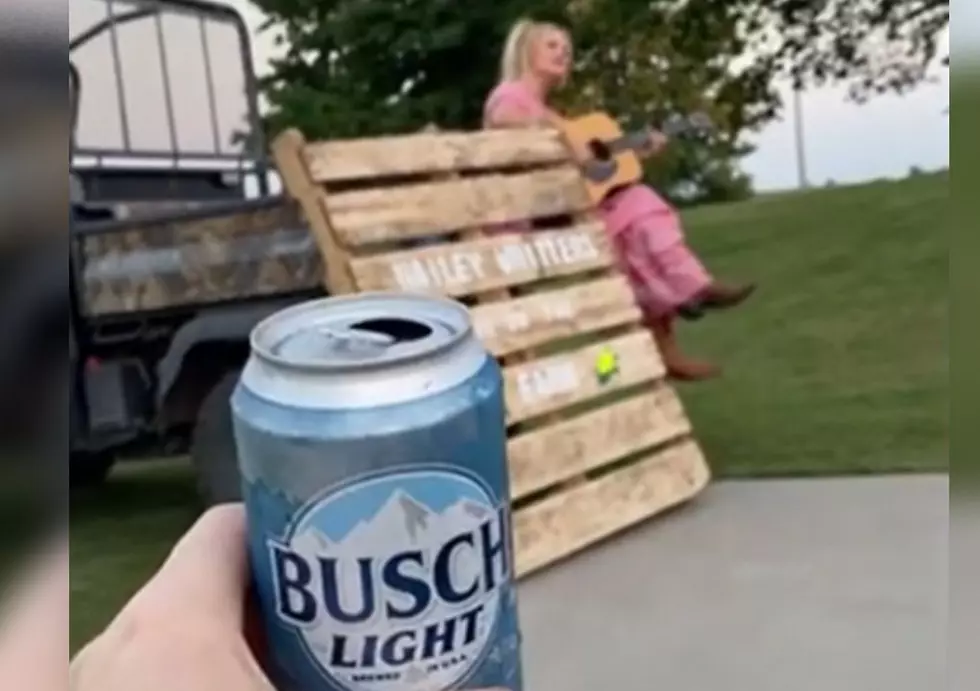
{"x":327,"y":342}
{"x":356,"y":340}
{"x":363,"y":340}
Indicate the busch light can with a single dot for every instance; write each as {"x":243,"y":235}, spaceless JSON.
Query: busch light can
{"x":371,"y":440}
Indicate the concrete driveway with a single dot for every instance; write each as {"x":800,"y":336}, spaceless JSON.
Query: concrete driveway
{"x":798,"y":585}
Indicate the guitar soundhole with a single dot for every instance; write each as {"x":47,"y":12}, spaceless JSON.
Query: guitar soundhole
{"x":599,"y":150}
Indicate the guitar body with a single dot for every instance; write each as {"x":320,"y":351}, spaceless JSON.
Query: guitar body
{"x":608,"y":156}
{"x":592,"y":138}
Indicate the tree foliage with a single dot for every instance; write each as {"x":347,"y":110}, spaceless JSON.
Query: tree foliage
{"x":361,"y":67}
{"x":366,"y":67}
{"x":873,"y":46}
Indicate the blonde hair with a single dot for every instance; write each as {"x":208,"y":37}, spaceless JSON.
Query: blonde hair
{"x":516,"y":60}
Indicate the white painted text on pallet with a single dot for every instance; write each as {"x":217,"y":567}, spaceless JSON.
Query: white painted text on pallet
{"x":518,"y":320}
{"x":453,"y":269}
{"x":550,"y":379}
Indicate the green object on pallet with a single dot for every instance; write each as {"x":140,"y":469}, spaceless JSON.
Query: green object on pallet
{"x":606,"y":364}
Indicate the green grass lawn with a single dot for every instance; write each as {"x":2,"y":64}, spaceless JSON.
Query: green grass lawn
{"x":838,"y":365}
{"x":120,"y":533}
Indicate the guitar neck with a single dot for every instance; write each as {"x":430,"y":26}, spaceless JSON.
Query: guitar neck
{"x":632,"y":141}
{"x":638,"y":140}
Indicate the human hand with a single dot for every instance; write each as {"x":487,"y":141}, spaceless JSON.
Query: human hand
{"x":657,"y":142}
{"x":185,"y":629}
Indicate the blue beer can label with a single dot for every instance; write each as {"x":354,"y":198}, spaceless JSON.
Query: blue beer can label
{"x":380,"y":528}
{"x":399,"y":580}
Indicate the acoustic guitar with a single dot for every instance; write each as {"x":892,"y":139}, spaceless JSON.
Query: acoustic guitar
{"x":609,"y":156}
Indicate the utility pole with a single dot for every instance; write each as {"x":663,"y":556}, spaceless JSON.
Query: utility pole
{"x":801,"y":169}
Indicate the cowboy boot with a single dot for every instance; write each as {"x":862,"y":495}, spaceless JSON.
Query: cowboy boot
{"x":678,"y":365}
{"x":692,"y":311}
{"x":723,"y":296}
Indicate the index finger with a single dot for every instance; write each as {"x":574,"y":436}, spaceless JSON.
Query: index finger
{"x":206,"y":574}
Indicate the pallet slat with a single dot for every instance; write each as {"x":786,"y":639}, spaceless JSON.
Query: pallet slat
{"x":288,"y":150}
{"x":549,"y":384}
{"x":388,"y":214}
{"x":361,"y":159}
{"x":513,"y":325}
{"x":559,"y":452}
{"x":566,"y":523}
{"x":481,"y":265}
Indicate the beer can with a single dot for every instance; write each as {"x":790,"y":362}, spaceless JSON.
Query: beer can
{"x":372,"y":446}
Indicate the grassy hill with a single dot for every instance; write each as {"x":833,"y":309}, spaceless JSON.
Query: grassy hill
{"x":840,"y":364}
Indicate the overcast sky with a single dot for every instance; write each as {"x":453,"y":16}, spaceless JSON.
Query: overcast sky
{"x":844,"y":142}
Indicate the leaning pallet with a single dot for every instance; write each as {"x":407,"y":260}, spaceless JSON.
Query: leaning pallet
{"x":598,"y":441}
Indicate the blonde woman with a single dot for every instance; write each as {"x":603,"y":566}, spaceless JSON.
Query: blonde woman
{"x":666,"y":275}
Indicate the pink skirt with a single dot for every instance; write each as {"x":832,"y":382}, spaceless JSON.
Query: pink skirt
{"x":650,"y":247}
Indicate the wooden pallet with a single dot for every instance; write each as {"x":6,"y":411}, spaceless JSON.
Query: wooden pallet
{"x":589,"y":455}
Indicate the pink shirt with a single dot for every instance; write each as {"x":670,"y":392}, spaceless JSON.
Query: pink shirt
{"x":619,"y":211}
{"x":513,"y":96}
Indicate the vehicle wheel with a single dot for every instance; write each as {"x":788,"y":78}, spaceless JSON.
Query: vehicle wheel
{"x":89,"y":469}
{"x":86,"y":468}
{"x":213,"y":446}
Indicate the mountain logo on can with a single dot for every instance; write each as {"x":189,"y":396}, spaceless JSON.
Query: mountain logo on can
{"x":395,"y":581}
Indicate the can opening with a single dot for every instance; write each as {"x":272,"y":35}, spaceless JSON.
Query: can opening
{"x":400,"y":330}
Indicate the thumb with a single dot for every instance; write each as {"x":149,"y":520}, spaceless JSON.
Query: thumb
{"x":206,"y":574}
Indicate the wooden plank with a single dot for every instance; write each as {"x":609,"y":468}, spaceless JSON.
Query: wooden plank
{"x":568,"y":522}
{"x":473,"y":267}
{"x":287,"y":150}
{"x":385,"y":214}
{"x":552,"y":383}
{"x":559,"y":452}
{"x":514,"y":325}
{"x":360,"y":159}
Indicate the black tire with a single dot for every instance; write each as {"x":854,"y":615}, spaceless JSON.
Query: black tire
{"x":89,"y":469}
{"x":213,"y":446}
{"x":85,"y":468}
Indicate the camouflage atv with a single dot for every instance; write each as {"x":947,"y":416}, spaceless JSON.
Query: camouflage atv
{"x":177,"y":250}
